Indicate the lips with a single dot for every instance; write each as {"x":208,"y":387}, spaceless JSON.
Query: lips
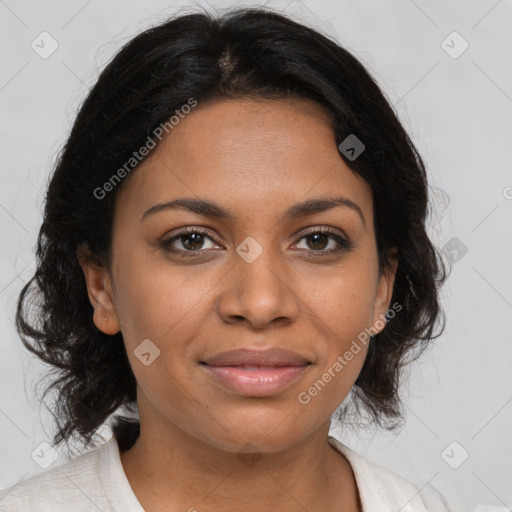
{"x":255,"y":372}
{"x":266,"y":358}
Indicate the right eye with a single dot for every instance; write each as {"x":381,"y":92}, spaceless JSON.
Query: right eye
{"x":191,"y":240}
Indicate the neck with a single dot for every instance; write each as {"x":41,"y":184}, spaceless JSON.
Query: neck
{"x":172,"y":470}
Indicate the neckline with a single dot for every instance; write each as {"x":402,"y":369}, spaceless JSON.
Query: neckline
{"x":115,"y":483}
{"x":120,"y":494}
{"x":379,"y":486}
{"x":353,"y":459}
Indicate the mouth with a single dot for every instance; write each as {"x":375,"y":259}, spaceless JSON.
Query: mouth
{"x":256,"y":380}
{"x":254,"y":372}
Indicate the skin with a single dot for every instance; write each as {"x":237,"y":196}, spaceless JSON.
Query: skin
{"x":256,"y":159}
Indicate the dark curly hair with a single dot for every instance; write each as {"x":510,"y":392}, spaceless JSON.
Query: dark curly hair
{"x":245,"y":52}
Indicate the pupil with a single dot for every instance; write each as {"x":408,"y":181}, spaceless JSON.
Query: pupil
{"x":315,"y":236}
{"x":197,"y":237}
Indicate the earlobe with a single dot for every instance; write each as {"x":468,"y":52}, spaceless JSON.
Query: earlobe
{"x":104,"y":323}
{"x":100,"y":293}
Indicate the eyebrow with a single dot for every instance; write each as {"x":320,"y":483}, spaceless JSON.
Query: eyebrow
{"x":211,"y":209}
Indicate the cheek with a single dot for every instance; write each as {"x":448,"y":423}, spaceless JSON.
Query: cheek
{"x":165,"y":305}
{"x":342,"y":308}
{"x":157,"y":299}
{"x":345,"y":300}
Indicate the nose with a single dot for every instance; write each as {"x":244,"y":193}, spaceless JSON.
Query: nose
{"x":261,"y":293}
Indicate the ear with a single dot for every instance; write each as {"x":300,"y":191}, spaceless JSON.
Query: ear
{"x":99,"y":289}
{"x":384,"y":293}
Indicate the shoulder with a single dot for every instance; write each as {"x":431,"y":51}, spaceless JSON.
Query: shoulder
{"x":69,"y":485}
{"x":381,"y":489}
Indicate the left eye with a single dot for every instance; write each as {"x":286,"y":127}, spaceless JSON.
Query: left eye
{"x":320,"y":241}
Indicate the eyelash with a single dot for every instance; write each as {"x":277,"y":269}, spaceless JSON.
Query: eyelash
{"x":343,"y":244}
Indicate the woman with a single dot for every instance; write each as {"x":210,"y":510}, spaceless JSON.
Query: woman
{"x":233,"y":245}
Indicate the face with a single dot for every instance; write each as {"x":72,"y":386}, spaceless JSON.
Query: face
{"x":267,"y":274}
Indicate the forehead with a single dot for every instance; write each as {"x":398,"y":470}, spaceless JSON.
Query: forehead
{"x":243,"y":153}
{"x":251,"y":131}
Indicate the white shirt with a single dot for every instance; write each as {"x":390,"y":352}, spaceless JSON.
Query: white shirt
{"x":95,"y":481}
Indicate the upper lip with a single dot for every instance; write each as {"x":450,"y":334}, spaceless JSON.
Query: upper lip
{"x":244,"y":356}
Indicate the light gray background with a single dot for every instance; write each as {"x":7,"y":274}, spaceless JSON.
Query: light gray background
{"x":458,"y":113}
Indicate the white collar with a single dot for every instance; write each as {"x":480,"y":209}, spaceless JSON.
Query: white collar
{"x":380,"y":490}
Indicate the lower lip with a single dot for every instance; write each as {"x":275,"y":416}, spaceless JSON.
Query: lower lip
{"x":264,"y":382}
